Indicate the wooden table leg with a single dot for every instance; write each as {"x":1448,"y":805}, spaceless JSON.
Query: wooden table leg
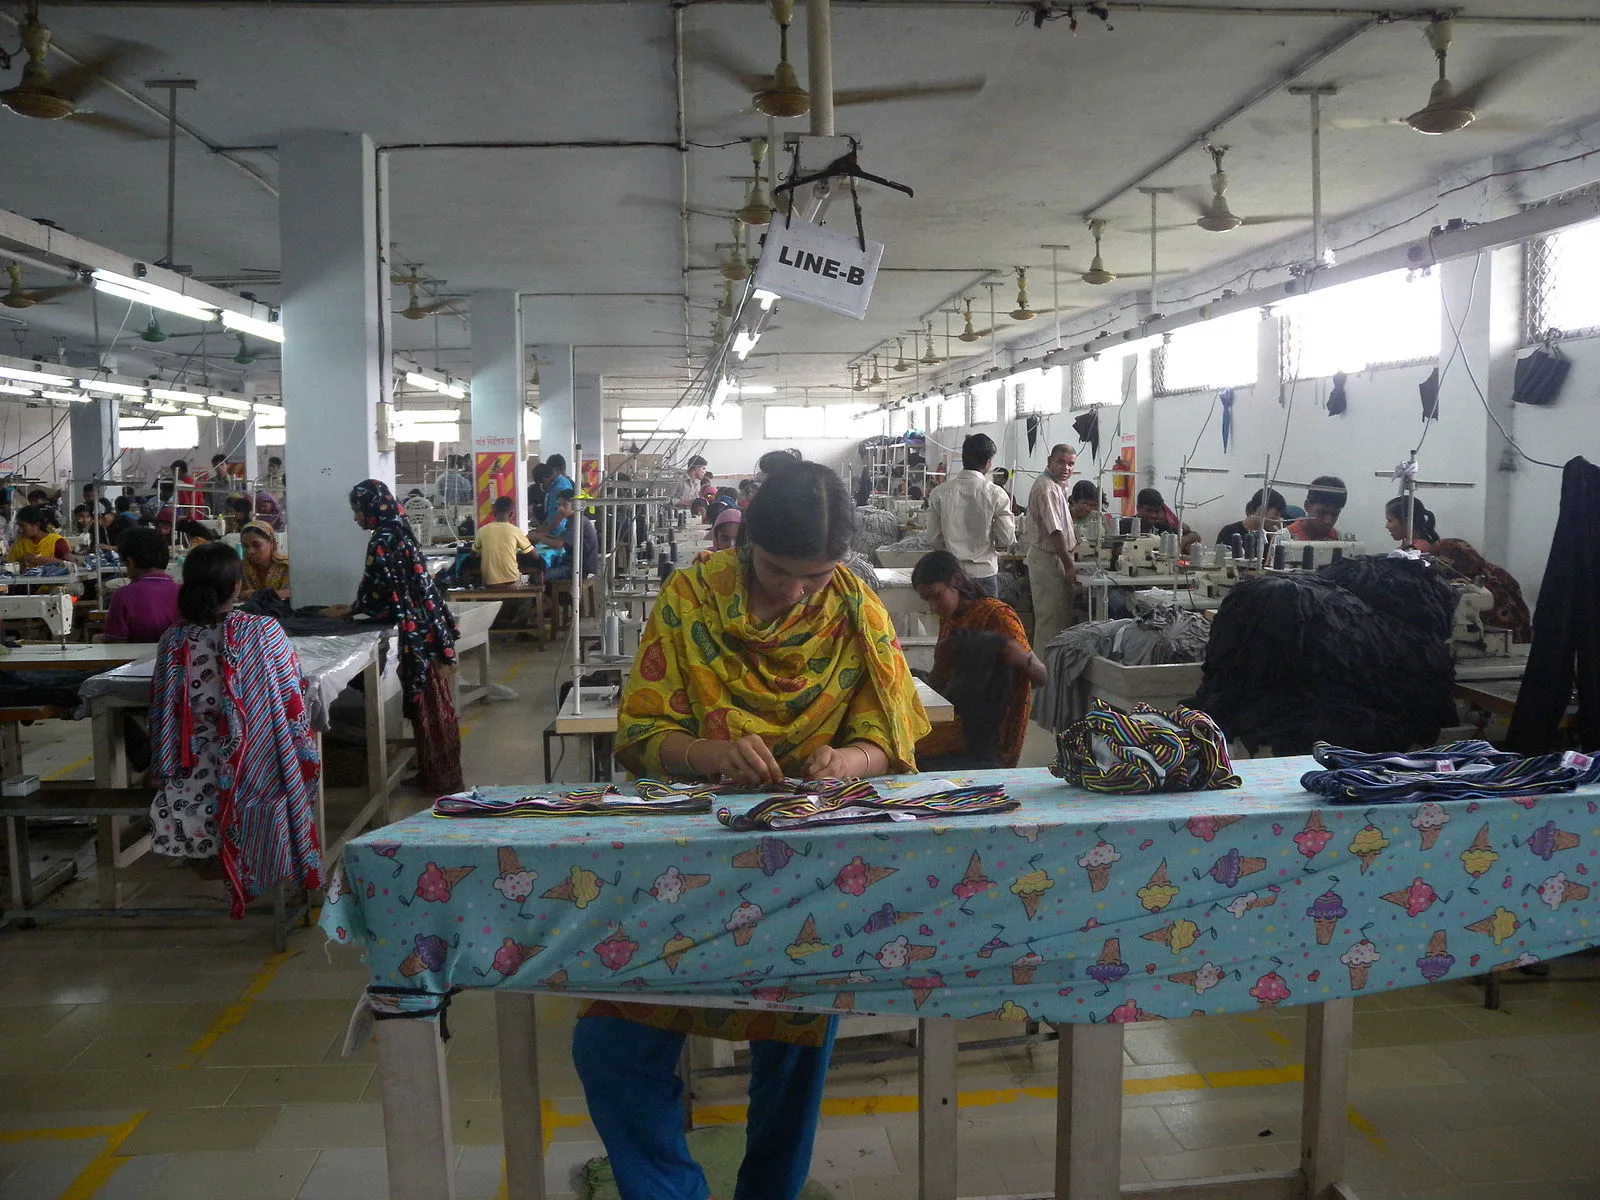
{"x":520,"y":1116}
{"x":937,"y":1109}
{"x":1089,"y":1112}
{"x":416,"y":1111}
{"x":1326,"y":1098}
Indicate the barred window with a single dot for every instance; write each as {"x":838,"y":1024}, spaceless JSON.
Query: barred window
{"x":694,"y":421}
{"x":1213,"y":354}
{"x":1561,"y":273}
{"x":985,"y":403}
{"x":782,"y":422}
{"x":1100,"y":380}
{"x":1037,"y":392}
{"x":1384,"y":320}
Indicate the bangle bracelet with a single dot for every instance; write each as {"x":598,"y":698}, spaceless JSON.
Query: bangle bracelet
{"x":866,"y":761}
{"x":688,"y":750}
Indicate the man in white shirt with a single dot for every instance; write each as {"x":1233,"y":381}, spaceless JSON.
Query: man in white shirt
{"x":971,"y":517}
{"x":691,"y":486}
{"x":1051,"y":540}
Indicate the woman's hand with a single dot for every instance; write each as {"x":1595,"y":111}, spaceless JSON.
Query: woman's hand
{"x":747,"y":760}
{"x":836,"y":762}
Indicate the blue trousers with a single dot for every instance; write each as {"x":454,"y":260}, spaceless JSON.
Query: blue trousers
{"x":635,"y":1097}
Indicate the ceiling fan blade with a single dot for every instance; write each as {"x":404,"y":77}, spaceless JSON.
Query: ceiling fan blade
{"x":113,"y":125}
{"x":1510,"y":61}
{"x":909,"y":91}
{"x":1196,"y":200}
{"x":1275,"y":219}
{"x":437,"y":306}
{"x":45,"y":295}
{"x":707,"y":50}
{"x":76,"y":82}
{"x":1369,"y":122}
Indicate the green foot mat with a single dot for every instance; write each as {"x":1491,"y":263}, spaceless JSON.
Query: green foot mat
{"x":718,"y":1149}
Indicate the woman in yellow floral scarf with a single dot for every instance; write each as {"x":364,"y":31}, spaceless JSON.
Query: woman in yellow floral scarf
{"x":765,"y":661}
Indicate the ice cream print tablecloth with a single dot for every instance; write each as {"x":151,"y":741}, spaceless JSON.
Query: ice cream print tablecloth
{"x":1071,"y":908}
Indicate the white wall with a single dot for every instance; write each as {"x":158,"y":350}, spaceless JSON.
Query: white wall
{"x":28,"y":447}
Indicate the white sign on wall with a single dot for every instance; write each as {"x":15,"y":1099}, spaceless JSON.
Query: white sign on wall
{"x":815,"y":265}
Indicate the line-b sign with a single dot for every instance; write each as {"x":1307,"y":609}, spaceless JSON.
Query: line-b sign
{"x":815,"y":265}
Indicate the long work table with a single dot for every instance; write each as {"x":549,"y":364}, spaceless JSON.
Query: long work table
{"x":1085,"y":912}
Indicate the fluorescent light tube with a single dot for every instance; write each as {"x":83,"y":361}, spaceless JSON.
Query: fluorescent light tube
{"x":174,"y":394}
{"x":424,"y":415}
{"x":720,"y":394}
{"x":756,"y":389}
{"x":36,"y":376}
{"x":75,"y":397}
{"x":227,"y":414}
{"x":427,"y":382}
{"x":266,"y":409}
{"x":109,"y":388}
{"x":426,"y":431}
{"x":11,"y":389}
{"x":743,"y":343}
{"x":228,"y":402}
{"x":451,"y":388}
{"x":255,"y":326}
{"x":160,"y":406}
{"x":141,"y":292}
{"x":765,"y":298}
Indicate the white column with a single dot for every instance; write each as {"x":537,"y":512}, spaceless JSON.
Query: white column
{"x":499,"y":392}
{"x":332,"y":219}
{"x":95,"y":444}
{"x":555,"y":402}
{"x":588,"y":424}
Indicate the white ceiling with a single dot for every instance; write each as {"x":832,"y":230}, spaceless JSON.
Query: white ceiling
{"x":1061,"y":121}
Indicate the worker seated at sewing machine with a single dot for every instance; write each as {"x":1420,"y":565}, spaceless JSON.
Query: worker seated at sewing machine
{"x":147,"y":606}
{"x":1263,"y":512}
{"x":1156,"y":517}
{"x":1083,"y":506}
{"x":1491,"y":597}
{"x":1324,"y":502}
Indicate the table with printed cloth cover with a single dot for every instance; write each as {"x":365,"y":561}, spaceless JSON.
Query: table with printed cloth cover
{"x":1082,"y":911}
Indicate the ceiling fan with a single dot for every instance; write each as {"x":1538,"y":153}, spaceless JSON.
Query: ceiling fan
{"x":1450,"y":109}
{"x":44,"y":98}
{"x":415,"y":309}
{"x":1214,"y":215}
{"x":18,"y":296}
{"x":779,"y":94}
{"x":1097,"y":273}
{"x":757,"y":208}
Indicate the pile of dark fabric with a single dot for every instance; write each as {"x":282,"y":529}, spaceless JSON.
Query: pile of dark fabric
{"x":1356,"y":654}
{"x":42,"y":689}
{"x":311,"y":621}
{"x":874,"y":527}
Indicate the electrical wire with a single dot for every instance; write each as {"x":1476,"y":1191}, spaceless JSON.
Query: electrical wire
{"x":1456,"y":351}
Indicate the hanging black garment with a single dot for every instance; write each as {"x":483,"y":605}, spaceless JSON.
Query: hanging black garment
{"x":1539,"y":375}
{"x":1338,"y":401}
{"x":1566,"y":635}
{"x":1087,"y":427}
{"x":1428,"y":389}
{"x":1356,"y":654}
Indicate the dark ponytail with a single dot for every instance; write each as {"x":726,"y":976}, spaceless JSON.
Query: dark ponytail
{"x":210,"y":582}
{"x":801,"y":511}
{"x":1422,"y":521}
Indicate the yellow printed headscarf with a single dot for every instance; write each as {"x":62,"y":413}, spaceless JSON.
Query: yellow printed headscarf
{"x":829,"y":671}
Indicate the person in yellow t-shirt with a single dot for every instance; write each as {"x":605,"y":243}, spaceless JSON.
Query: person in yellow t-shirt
{"x":498,"y":545}
{"x":38,"y":543}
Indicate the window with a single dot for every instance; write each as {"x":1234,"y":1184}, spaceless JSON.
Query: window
{"x":953,"y":410}
{"x":1561,"y":274}
{"x":985,"y":403}
{"x":164,"y":433}
{"x":532,"y":423}
{"x":1036,"y":392}
{"x":787,"y":423}
{"x":694,"y":422}
{"x":899,"y":421}
{"x":851,"y":420}
{"x":1100,"y":380}
{"x":1213,"y":354}
{"x":1381,"y":321}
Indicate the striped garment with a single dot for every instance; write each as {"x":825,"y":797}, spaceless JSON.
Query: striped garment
{"x":1144,"y":751}
{"x":262,"y":765}
{"x":856,"y":802}
{"x":653,"y":798}
{"x":1460,"y":771}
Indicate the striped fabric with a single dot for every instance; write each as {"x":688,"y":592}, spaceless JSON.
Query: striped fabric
{"x":856,"y":802}
{"x":1144,"y":751}
{"x":267,"y":765}
{"x":1470,"y":770}
{"x":654,"y":798}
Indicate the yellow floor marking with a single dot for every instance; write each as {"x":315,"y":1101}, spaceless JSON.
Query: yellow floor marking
{"x":1366,"y":1129}
{"x":70,"y":767}
{"x":99,"y":1169}
{"x":237,"y":1011}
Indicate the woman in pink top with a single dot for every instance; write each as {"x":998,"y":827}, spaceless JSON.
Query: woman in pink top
{"x":148,"y":605}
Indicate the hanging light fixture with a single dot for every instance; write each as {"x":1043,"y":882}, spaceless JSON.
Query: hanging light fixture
{"x":900,"y":364}
{"x":757,"y":208}
{"x":929,"y":358}
{"x":736,"y":269}
{"x":877,"y":377}
{"x":153,"y":331}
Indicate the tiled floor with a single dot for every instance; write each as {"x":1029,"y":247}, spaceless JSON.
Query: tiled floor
{"x":189,"y":1062}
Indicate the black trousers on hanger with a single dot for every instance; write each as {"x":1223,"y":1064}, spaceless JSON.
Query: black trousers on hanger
{"x":1566,"y":627}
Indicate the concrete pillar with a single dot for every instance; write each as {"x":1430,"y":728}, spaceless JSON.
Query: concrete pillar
{"x":588,"y":423}
{"x":555,"y":403}
{"x":335,"y":353}
{"x":498,"y":396}
{"x":95,"y":444}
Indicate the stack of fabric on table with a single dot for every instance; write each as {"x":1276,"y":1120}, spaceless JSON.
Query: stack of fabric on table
{"x":1165,"y":635}
{"x":1356,"y":654}
{"x":874,"y":527}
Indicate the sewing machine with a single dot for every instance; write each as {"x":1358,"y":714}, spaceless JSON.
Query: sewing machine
{"x":1470,"y":637}
{"x":429,"y":522}
{"x":1142,"y":556}
{"x":54,"y":609}
{"x":1322,"y":553}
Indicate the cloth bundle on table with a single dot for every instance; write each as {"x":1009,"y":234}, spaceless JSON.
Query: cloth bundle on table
{"x":1167,"y":634}
{"x":233,"y":746}
{"x":395,"y":586}
{"x":1144,"y":751}
{"x":992,"y":700}
{"x":1566,"y":635}
{"x":857,"y":802}
{"x":653,"y":797}
{"x":874,"y":527}
{"x":1470,"y":770}
{"x":1356,"y":653}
